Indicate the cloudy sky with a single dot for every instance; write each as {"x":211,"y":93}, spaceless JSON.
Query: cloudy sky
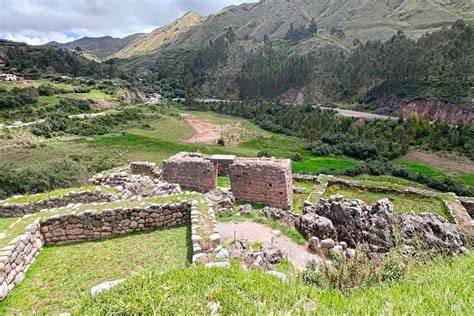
{"x":41,"y":21}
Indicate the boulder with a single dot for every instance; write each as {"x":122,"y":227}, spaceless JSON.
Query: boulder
{"x":280,"y":215}
{"x":271,"y":253}
{"x":96,"y":290}
{"x":164,"y":188}
{"x":313,"y":225}
{"x":429,"y":231}
{"x":245,"y":209}
{"x":381,"y":221}
{"x":221,"y":198}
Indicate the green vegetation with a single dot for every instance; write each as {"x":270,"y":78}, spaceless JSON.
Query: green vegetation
{"x":425,"y":169}
{"x":401,"y":203}
{"x":308,"y":194}
{"x":223,"y":182}
{"x":191,"y":291}
{"x":62,"y":276}
{"x":6,"y":222}
{"x":58,"y":192}
{"x":317,"y":164}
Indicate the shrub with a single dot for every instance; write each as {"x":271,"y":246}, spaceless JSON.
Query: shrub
{"x":264,"y":153}
{"x":296,"y":157}
{"x":221,"y":142}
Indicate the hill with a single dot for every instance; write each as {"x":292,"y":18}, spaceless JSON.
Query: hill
{"x":359,"y":19}
{"x":161,"y":37}
{"x":101,"y":47}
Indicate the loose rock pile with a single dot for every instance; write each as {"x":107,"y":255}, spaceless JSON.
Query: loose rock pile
{"x":264,"y":258}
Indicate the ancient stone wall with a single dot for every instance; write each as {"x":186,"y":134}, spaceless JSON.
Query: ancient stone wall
{"x":17,"y":257}
{"x":223,"y":162}
{"x":145,"y":168}
{"x":90,"y":225}
{"x":262,"y":180}
{"x":190,"y":170}
{"x":84,"y":197}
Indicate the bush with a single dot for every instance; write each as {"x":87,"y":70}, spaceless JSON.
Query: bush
{"x":296,"y":157}
{"x":221,"y":142}
{"x":263,"y":154}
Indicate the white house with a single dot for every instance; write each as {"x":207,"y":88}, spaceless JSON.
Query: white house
{"x":153,"y":98}
{"x":8,"y":77}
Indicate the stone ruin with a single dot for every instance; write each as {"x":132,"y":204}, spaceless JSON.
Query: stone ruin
{"x":262,"y":180}
{"x":223,"y":163}
{"x":145,"y":168}
{"x":190,"y":170}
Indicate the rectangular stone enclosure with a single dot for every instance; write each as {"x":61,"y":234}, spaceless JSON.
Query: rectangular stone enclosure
{"x":190,"y":170}
{"x":262,"y":180}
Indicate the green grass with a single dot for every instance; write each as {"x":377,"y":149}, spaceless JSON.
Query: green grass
{"x":387,"y":181}
{"x":36,"y":83}
{"x":92,"y":95}
{"x":5,"y":223}
{"x":299,"y":198}
{"x":63,"y":275}
{"x":318,"y":164}
{"x":223,"y":182}
{"x":440,"y":174}
{"x":59,"y":192}
{"x":439,"y":288}
{"x":401,"y":203}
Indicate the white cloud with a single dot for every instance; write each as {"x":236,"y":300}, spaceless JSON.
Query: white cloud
{"x":39,"y":21}
{"x":38,"y":39}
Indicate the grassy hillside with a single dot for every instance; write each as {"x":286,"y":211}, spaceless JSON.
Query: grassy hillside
{"x":160,"y":37}
{"x":361,"y":19}
{"x":101,"y":47}
{"x":440,"y":287}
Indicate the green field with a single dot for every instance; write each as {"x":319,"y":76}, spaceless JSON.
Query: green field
{"x":62,"y":276}
{"x":427,"y":170}
{"x":441,"y":287}
{"x":318,"y":164}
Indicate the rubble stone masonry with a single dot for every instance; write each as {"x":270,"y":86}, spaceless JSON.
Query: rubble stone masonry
{"x":91,"y":225}
{"x":262,"y":180}
{"x":17,"y":257}
{"x":190,"y":170}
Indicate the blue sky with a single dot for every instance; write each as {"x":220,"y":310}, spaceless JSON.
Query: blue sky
{"x":41,"y":21}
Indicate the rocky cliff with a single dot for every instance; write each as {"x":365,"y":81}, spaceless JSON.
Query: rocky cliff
{"x":435,"y":109}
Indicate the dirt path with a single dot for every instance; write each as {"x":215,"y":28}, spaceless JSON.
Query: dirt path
{"x":437,"y":161}
{"x":297,"y":255}
{"x":463,"y":218}
{"x":204,"y":132}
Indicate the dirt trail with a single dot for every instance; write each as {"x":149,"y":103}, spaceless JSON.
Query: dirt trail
{"x":297,"y":255}
{"x":204,"y":132}
{"x":464,"y":220}
{"x":437,"y":161}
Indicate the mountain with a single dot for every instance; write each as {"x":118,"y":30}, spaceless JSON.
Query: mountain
{"x":357,"y":19}
{"x":161,"y":37}
{"x":101,"y":47}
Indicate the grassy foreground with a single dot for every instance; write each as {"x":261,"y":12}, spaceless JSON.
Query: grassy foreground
{"x":442,"y":287}
{"x":63,"y":275}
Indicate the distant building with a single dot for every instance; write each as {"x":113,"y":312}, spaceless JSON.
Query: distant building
{"x":153,"y":98}
{"x":8,"y":77}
